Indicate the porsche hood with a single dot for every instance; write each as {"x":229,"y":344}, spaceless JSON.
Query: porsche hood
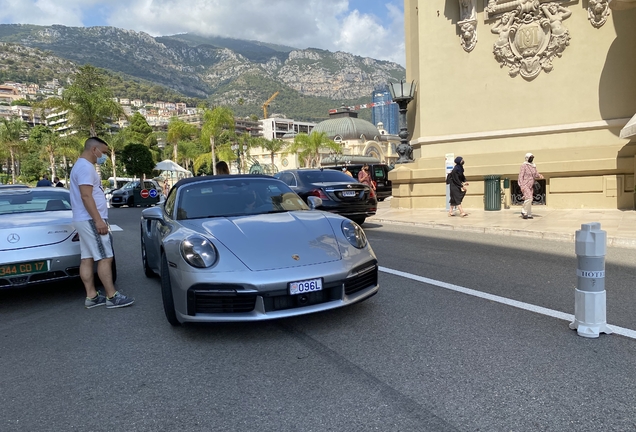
{"x":274,"y":241}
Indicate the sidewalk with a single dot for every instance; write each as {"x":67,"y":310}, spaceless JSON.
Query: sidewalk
{"x":552,"y":224}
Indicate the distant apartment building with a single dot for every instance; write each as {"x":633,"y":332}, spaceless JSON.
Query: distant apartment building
{"x":280,"y":128}
{"x":124,"y":101}
{"x":58,"y":121}
{"x":246,"y":125}
{"x":138,"y":103}
{"x":23,"y":112}
{"x":8,"y":94}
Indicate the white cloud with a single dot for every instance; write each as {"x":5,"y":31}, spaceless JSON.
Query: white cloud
{"x":326,"y":24}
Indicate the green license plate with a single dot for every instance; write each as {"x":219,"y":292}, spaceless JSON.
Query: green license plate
{"x":23,"y":268}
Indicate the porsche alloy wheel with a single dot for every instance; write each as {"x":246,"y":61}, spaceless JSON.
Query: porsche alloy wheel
{"x":166,"y":293}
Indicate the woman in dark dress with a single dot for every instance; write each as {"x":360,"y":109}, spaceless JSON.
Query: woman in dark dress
{"x":457,"y":187}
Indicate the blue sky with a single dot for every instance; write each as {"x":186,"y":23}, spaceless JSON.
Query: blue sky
{"x":373,"y":28}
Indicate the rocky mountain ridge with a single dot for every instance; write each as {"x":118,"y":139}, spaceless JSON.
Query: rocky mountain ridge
{"x":229,"y":71}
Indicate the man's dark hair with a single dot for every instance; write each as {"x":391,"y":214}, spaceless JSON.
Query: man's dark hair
{"x":222,"y":168}
{"x":94,"y":141}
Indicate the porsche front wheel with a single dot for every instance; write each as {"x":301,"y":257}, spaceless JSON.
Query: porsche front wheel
{"x":166,"y":293}
{"x":144,"y":259}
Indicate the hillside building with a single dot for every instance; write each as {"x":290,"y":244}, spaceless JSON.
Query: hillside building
{"x":497,"y":79}
{"x":277,"y":128}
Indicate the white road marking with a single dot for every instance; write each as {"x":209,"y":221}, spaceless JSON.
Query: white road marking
{"x":503,"y":300}
{"x":115,"y":228}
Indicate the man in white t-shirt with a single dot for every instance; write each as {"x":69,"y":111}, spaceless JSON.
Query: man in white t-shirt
{"x":90,"y":218}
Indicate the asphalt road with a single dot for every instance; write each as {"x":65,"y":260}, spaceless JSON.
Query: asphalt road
{"x":416,"y":357}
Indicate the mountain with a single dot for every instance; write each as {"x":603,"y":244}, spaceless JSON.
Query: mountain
{"x":237,"y":73}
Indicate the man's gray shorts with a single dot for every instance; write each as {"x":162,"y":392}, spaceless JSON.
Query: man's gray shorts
{"x":92,"y":244}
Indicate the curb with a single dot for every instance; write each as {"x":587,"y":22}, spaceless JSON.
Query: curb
{"x":619,"y":242}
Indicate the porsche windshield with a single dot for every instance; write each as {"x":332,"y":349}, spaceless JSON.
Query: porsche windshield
{"x":33,"y":200}
{"x":239,"y":196}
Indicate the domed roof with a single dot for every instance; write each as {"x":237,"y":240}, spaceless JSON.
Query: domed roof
{"x":347,"y":128}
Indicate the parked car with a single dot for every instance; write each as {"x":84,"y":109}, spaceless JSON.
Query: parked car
{"x":38,"y":242}
{"x":379,"y":174}
{"x":339,"y":193}
{"x":126,"y":194}
{"x":247,"y":248}
{"x":13,"y":186}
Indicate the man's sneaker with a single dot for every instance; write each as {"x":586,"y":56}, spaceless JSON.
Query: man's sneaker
{"x":118,"y":300}
{"x":98,"y":300}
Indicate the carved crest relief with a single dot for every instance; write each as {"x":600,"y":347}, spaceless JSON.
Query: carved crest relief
{"x":531,"y":34}
{"x":467,"y":24}
{"x":597,"y":12}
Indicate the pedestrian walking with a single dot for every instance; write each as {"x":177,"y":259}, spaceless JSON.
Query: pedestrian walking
{"x":528,"y":174}
{"x":458,"y":184}
{"x":364,"y":177}
{"x":90,"y":218}
{"x":57,"y":182}
{"x":44,"y":181}
{"x":347,"y":172}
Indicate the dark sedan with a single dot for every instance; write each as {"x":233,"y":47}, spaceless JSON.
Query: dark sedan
{"x":339,"y":193}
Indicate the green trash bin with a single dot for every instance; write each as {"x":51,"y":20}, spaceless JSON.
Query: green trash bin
{"x":492,"y":192}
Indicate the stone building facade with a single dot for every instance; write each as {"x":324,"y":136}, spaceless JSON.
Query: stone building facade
{"x":497,"y":79}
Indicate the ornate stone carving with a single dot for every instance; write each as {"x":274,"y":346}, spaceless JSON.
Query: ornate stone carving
{"x":467,"y":24}
{"x":531,"y":34}
{"x":597,"y":12}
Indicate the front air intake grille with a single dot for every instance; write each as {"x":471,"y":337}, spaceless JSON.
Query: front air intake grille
{"x":219,"y":299}
{"x":364,"y":278}
{"x":280,"y":301}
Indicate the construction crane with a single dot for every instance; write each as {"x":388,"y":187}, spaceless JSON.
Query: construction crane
{"x":266,"y":104}
{"x":362,"y":106}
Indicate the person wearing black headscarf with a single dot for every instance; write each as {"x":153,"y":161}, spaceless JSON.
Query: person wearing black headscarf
{"x":457,"y":182}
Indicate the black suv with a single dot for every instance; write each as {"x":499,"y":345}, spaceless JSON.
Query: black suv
{"x":379,"y":174}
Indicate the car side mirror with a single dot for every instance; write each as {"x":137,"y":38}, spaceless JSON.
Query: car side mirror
{"x":314,"y":202}
{"x":153,"y":213}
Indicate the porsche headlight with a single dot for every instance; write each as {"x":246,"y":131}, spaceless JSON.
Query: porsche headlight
{"x":354,"y":234}
{"x":198,"y":251}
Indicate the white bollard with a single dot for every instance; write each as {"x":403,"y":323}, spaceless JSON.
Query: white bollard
{"x":590,"y":245}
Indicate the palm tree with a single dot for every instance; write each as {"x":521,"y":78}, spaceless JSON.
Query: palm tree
{"x":308,"y":147}
{"x":273,"y":146}
{"x":89,"y":102}
{"x":117,"y":142}
{"x":12,"y":134}
{"x":69,"y":147}
{"x":44,"y":140}
{"x":215,"y":122}
{"x":178,"y":130}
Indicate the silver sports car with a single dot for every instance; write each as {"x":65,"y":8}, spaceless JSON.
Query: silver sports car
{"x":37,"y":240}
{"x":247,"y":248}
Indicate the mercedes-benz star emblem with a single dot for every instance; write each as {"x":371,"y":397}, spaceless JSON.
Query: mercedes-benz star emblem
{"x":349,"y":186}
{"x":13,"y":238}
{"x":295,"y":257}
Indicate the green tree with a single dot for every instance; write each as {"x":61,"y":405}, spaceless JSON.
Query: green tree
{"x":137,"y":159}
{"x":12,"y":134}
{"x":309,"y":147}
{"x":274,"y":146}
{"x":89,"y":102}
{"x":178,"y":130}
{"x":218,"y":126}
{"x":117,"y":143}
{"x":69,"y":147}
{"x":139,"y":130}
{"x":45,"y":143}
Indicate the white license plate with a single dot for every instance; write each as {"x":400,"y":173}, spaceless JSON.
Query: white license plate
{"x":349,"y":193}
{"x":302,"y":287}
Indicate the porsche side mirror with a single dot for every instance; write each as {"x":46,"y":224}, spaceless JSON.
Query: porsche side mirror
{"x":314,"y":202}
{"x":153,"y":213}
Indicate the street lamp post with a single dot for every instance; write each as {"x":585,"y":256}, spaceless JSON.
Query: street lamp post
{"x":402,"y":93}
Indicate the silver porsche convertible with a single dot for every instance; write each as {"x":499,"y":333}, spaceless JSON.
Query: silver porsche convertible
{"x":247,"y":248}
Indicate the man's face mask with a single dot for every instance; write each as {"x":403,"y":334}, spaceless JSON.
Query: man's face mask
{"x":101,"y":159}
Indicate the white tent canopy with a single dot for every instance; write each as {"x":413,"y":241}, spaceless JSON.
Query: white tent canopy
{"x":630,"y":128}
{"x":168,"y":165}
